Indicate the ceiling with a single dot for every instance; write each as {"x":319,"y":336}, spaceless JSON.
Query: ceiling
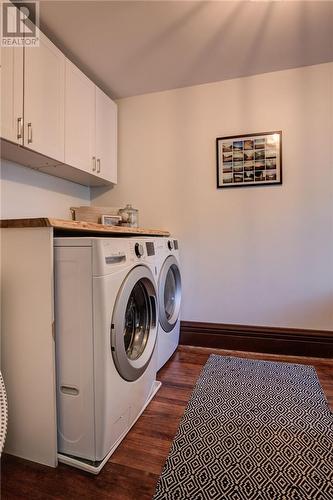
{"x":136,"y":47}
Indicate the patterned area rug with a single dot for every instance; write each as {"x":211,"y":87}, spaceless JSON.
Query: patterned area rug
{"x":252,"y":430}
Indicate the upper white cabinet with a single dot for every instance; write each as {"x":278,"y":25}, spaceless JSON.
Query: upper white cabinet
{"x":44,"y":99}
{"x":79,"y":120}
{"x":12,"y":94}
{"x":106,"y":136}
{"x":90,"y":126}
{"x":67,"y":126}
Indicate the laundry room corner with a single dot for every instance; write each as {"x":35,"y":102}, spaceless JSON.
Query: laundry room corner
{"x":167,"y":170}
{"x":166,"y":250}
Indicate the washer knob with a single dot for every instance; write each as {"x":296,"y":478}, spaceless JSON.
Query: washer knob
{"x":139,"y":251}
{"x":170,"y":244}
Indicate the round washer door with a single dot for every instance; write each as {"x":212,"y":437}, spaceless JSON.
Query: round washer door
{"x":133,"y":329}
{"x":169,"y":293}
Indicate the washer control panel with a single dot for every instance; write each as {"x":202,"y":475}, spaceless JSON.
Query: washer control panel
{"x":142,"y":250}
{"x":150,"y":247}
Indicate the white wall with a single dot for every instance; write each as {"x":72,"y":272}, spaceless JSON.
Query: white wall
{"x":28,"y":193}
{"x":260,"y":255}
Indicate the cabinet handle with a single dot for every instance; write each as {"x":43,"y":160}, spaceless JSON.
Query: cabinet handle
{"x":93,"y":163}
{"x":98,"y":165}
{"x":19,"y":128}
{"x":29,"y":133}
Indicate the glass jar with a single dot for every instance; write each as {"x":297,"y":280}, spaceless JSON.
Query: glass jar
{"x":129,"y":216}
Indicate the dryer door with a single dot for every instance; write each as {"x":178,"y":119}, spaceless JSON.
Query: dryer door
{"x":133,"y":329}
{"x":169,"y":291}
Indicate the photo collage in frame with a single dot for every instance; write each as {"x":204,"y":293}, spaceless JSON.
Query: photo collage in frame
{"x":248,"y":160}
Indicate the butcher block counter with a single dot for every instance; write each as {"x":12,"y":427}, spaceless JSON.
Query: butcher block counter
{"x":62,"y":226}
{"x":27,"y":337}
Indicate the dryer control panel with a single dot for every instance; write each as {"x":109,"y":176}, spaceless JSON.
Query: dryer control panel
{"x":172,"y":244}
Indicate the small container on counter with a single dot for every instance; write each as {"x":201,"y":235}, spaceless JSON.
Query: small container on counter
{"x":129,"y":216}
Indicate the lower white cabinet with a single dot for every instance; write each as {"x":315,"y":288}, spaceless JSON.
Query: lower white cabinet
{"x":27,"y":343}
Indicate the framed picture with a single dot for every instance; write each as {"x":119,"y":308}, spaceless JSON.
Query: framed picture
{"x":249,"y":160}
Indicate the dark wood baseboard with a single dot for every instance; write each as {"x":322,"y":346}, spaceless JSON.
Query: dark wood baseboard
{"x":293,"y":341}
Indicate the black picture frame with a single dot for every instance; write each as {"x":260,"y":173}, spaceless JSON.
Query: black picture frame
{"x":249,"y":160}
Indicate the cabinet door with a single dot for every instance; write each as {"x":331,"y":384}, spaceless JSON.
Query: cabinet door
{"x":12,"y":94}
{"x":44,"y":100}
{"x":106,"y":137}
{"x":79,"y":120}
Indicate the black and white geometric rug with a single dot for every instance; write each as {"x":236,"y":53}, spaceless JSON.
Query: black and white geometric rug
{"x":252,"y":430}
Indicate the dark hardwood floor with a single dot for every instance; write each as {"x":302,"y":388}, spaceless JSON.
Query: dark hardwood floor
{"x":133,"y":470}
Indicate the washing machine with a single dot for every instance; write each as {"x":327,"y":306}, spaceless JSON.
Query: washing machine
{"x":106,"y":306}
{"x":169,"y":298}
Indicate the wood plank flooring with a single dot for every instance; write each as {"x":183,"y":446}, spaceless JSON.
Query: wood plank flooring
{"x":133,"y":470}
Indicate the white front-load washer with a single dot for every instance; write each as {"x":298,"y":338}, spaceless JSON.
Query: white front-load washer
{"x":169,"y":298}
{"x":106,"y":331}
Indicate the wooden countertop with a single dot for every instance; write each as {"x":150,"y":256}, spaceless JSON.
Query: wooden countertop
{"x":80,"y":226}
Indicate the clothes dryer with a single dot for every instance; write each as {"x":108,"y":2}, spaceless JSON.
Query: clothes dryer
{"x":169,"y":298}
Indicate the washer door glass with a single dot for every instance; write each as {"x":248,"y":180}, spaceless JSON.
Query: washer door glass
{"x":169,"y":294}
{"x":133,"y":327}
{"x":137,"y":321}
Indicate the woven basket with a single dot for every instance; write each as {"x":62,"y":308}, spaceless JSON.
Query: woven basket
{"x":92,"y":214}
